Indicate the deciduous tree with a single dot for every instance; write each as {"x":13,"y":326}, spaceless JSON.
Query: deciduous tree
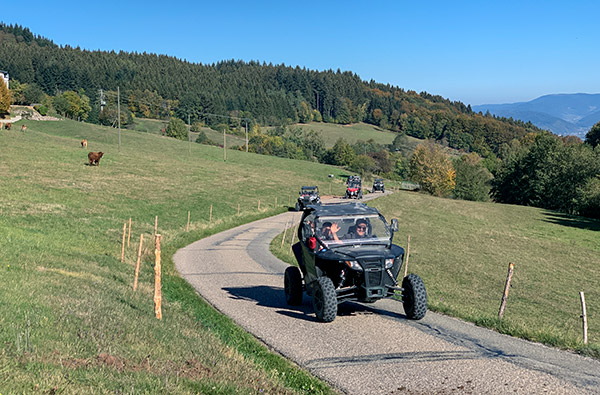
{"x":5,"y":98}
{"x":431,"y":168}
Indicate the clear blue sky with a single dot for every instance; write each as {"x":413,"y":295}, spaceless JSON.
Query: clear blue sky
{"x":477,"y":52}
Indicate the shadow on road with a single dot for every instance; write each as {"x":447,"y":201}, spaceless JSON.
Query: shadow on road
{"x":274,"y":297}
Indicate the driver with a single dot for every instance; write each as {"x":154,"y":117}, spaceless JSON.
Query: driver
{"x":329,"y":231}
{"x":361,"y":229}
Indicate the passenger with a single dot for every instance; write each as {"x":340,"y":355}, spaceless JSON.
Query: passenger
{"x":329,"y":231}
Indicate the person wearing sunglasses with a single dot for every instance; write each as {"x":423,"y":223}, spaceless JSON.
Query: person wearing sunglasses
{"x":361,"y":229}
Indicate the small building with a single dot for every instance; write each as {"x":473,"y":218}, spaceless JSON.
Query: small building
{"x":4,"y":75}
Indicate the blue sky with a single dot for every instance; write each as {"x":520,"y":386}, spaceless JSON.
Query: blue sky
{"x":477,"y":52}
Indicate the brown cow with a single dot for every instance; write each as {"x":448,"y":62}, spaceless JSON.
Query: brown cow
{"x":23,"y":128}
{"x":84,"y":143}
{"x":7,"y":126}
{"x":94,"y":158}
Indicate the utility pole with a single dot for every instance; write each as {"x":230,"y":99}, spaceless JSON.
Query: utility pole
{"x":119,"y":114}
{"x":224,"y":145}
{"x":102,"y":101}
{"x":246,"y":136}
{"x":189,"y":135}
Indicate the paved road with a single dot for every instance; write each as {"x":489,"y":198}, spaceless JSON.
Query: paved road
{"x":370,"y":349}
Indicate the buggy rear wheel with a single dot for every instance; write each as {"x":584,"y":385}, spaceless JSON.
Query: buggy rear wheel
{"x":414,"y":297}
{"x":292,"y":282}
{"x":297,"y":206}
{"x":325,"y":300}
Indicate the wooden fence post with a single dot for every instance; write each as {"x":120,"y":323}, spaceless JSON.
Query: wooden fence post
{"x":284,"y":232}
{"x":275,"y":201}
{"x":157,"y":276}
{"x":292,"y":242}
{"x":238,"y":209}
{"x":129,"y":232}
{"x":584,"y":318}
{"x":187,"y":227}
{"x":123,"y":242}
{"x":155,"y":225}
{"x":258,"y":204}
{"x":137,"y":265}
{"x":511,"y":267}
{"x":210,"y":215}
{"x":407,"y":255}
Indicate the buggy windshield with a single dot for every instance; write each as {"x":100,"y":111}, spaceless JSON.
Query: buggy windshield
{"x":308,"y":191}
{"x":352,"y":230}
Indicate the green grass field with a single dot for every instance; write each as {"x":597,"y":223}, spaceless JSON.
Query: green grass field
{"x":350,"y":133}
{"x":71,"y":322}
{"x":154,"y":126}
{"x":462,"y":251}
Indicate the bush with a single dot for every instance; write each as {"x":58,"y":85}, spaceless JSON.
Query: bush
{"x":42,"y":110}
{"x":177,"y":128}
{"x":202,"y":139}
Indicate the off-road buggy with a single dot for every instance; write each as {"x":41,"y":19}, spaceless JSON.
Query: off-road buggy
{"x":378,"y":185}
{"x":354,"y":188}
{"x":308,"y":195}
{"x":345,"y":253}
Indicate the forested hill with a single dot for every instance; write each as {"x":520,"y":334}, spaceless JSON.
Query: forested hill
{"x":154,"y":85}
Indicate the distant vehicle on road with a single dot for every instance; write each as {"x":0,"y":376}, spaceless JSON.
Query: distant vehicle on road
{"x":354,"y":188}
{"x":378,"y":185}
{"x":308,"y":195}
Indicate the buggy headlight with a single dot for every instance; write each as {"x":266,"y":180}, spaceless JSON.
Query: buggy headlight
{"x":354,"y":265}
{"x":389,"y":263}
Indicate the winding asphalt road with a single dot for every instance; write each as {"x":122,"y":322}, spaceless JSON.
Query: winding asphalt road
{"x":370,"y":349}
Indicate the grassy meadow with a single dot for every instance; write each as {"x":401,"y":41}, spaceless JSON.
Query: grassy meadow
{"x":154,"y":126}
{"x":70,"y":321}
{"x":462,"y":251}
{"x":330,"y":133}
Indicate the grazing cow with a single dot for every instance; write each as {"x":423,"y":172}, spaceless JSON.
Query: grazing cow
{"x":84,"y":143}
{"x":7,"y":126}
{"x":23,"y":128}
{"x":94,"y":158}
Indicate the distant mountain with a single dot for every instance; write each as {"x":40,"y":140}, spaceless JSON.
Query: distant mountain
{"x":563,"y":114}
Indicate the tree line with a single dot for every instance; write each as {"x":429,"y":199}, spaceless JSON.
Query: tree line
{"x":160,"y":86}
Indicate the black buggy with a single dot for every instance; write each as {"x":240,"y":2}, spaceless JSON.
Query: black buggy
{"x":378,"y":185}
{"x":308,"y":195}
{"x":345,"y":253}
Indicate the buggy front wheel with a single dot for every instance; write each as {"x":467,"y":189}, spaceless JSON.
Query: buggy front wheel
{"x":325,"y":300}
{"x":414,"y":297}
